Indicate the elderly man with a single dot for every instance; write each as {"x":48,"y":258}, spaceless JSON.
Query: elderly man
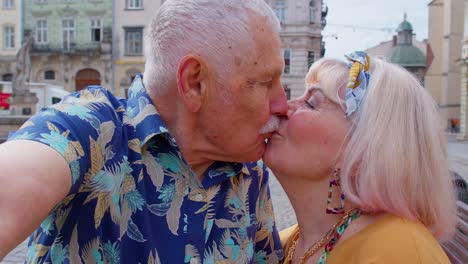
{"x":157,"y":178}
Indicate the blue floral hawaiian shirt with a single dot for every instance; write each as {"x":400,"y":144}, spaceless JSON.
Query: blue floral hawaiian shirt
{"x":133,"y":197}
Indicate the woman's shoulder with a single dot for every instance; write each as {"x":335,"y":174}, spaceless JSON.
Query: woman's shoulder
{"x":391,"y":239}
{"x":287,"y":234}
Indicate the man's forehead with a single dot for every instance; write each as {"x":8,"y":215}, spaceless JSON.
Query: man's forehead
{"x":270,"y":62}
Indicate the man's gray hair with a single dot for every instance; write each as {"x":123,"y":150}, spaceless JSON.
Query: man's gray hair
{"x":208,"y":28}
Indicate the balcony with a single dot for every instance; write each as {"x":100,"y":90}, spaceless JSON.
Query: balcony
{"x":88,"y":48}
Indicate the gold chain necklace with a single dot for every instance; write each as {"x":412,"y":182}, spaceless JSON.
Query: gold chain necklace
{"x":317,"y":245}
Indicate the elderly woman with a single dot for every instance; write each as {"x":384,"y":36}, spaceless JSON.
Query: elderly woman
{"x":362,"y":158}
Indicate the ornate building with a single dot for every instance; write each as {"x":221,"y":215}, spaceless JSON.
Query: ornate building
{"x":10,"y":36}
{"x":134,"y":17}
{"x":302,"y":22}
{"x":445,"y":39}
{"x":72,"y":42}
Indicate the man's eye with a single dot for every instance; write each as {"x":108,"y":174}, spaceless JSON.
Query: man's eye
{"x":266,"y":84}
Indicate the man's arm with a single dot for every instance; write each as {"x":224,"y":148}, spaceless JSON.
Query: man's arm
{"x":33,"y":179}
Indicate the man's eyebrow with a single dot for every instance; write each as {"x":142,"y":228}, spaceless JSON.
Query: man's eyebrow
{"x":263,"y":80}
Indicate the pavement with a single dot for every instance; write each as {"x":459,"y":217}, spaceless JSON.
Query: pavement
{"x":284,"y":213}
{"x":458,"y":156}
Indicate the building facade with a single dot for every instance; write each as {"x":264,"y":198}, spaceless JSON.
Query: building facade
{"x":130,"y":27}
{"x":10,"y":36}
{"x":404,"y":50}
{"x":302,"y":22}
{"x":463,"y":135}
{"x":445,"y":39}
{"x":72,"y":42}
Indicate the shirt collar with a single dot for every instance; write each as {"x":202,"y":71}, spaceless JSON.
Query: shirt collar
{"x":221,"y":171}
{"x":142,"y":114}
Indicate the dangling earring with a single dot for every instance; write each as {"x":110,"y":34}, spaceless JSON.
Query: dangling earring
{"x":335,"y":181}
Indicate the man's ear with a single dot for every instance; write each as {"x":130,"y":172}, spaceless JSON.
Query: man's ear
{"x":189,"y":82}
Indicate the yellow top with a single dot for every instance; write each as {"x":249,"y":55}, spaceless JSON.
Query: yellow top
{"x":390,"y":239}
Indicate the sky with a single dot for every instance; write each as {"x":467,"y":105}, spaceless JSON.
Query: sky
{"x":361,"y":24}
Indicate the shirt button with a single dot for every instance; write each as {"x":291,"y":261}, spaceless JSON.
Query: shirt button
{"x":198,"y":198}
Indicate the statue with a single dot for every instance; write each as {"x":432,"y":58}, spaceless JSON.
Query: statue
{"x":23,"y":67}
{"x":22,"y":101}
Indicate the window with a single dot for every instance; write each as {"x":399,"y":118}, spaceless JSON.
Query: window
{"x":49,"y":75}
{"x":96,"y":30}
{"x":280,"y":10}
{"x":7,"y":77}
{"x":8,"y":37}
{"x":312,"y":11}
{"x":310,"y":58}
{"x":133,"y":41}
{"x":8,"y":4}
{"x":135,"y":4}
{"x":68,"y":29}
{"x":287,"y":90}
{"x":41,"y":31}
{"x":287,"y":61}
{"x":55,"y":100}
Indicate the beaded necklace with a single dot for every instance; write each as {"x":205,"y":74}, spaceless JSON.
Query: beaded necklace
{"x":332,"y":237}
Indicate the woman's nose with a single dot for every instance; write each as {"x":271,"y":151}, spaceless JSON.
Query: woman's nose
{"x":293,"y":105}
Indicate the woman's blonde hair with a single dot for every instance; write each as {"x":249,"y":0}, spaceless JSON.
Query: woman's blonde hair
{"x":395,"y":157}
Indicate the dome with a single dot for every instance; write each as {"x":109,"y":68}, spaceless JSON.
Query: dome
{"x":405,"y":25}
{"x":407,"y":56}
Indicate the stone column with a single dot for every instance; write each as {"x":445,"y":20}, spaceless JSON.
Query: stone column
{"x":463,"y":135}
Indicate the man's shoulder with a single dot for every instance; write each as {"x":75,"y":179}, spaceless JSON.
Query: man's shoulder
{"x":86,"y":114}
{"x":94,"y":94}
{"x":95,"y":104}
